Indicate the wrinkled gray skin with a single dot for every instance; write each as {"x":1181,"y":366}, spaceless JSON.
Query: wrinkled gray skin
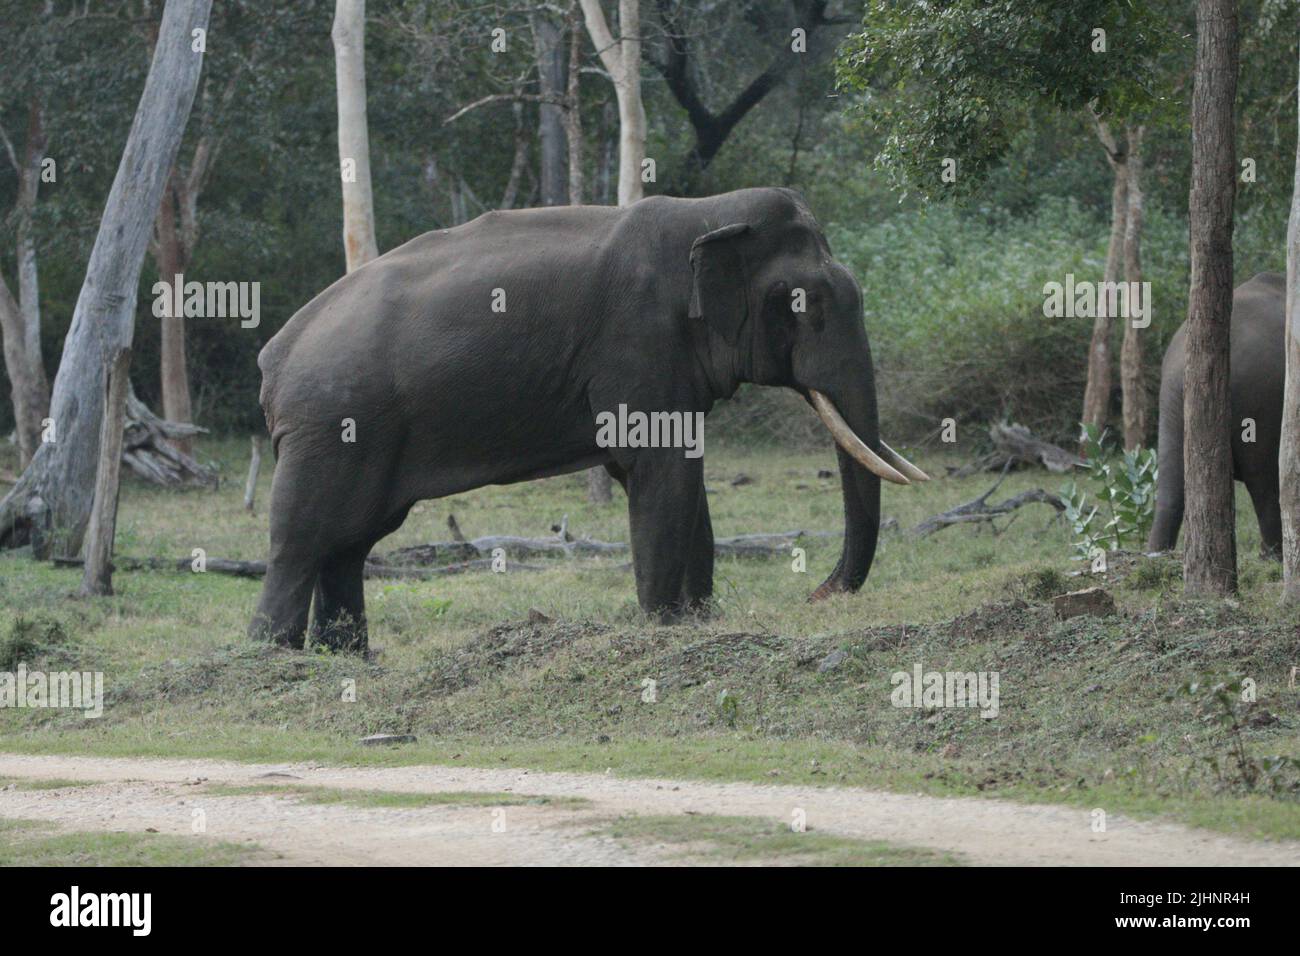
{"x":666,"y":305}
{"x":1256,"y":378}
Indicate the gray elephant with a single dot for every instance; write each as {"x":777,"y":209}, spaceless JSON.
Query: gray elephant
{"x":1257,"y":376}
{"x":485,"y":354}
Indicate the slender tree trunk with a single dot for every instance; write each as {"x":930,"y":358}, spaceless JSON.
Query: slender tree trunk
{"x":1210,"y":555}
{"x":622,"y":59}
{"x":1289,"y":455}
{"x":20,"y":319}
{"x":349,"y":36}
{"x":173,"y":259}
{"x":62,"y":474}
{"x":1133,"y":384}
{"x":573,"y":113}
{"x":1096,"y":394}
{"x":548,"y":49}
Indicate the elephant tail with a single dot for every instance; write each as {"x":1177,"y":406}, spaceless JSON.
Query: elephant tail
{"x":1169,"y":488}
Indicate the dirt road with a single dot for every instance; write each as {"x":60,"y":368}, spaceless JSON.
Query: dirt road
{"x":163,"y":795}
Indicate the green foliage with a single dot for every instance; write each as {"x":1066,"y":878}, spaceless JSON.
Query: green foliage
{"x":961,"y":79}
{"x":1227,"y":705}
{"x":30,"y":638}
{"x":1124,"y":486}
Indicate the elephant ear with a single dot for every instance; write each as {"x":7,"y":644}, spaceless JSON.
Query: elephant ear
{"x":720,"y":290}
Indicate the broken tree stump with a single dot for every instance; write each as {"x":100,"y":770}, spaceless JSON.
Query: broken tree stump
{"x":97,"y":576}
{"x":254,"y":466}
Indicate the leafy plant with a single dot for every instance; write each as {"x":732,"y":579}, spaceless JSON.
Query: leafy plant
{"x":1221,"y":704}
{"x":1122,"y":506}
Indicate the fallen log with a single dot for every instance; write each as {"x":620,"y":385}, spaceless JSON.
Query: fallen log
{"x":257,"y":569}
{"x":148,"y":451}
{"x":1015,"y":444}
{"x":978,"y":509}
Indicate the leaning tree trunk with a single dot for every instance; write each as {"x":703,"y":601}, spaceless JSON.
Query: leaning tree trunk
{"x":62,"y":475}
{"x":1132,"y":379}
{"x":1289,"y":456}
{"x":1096,"y":394}
{"x":349,"y":35}
{"x":1210,"y":555}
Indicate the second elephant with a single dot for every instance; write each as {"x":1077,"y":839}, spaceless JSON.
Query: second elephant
{"x":1257,"y":376}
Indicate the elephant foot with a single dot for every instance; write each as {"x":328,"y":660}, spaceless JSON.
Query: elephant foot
{"x":343,"y":635}
{"x":264,"y":631}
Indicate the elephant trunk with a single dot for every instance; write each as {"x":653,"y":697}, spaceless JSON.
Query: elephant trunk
{"x":861,"y":491}
{"x":1169,"y":486}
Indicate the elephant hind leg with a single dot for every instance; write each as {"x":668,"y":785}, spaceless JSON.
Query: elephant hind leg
{"x":697,"y":584}
{"x":1268,"y":511}
{"x":281,"y":616}
{"x":340,"y":616}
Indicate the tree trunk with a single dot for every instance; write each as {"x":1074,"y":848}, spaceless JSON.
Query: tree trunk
{"x":62,"y":474}
{"x":1132,"y":382}
{"x":1096,"y":394}
{"x":573,"y":113}
{"x":1289,"y":454}
{"x":97,"y":575}
{"x":349,"y":36}
{"x":20,"y":320}
{"x":173,"y":259}
{"x":1210,"y":554}
{"x":600,"y":488}
{"x":622,"y":58}
{"x":548,"y":48}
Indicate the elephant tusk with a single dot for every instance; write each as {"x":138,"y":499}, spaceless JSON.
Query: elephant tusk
{"x":901,"y":463}
{"x":850,"y":442}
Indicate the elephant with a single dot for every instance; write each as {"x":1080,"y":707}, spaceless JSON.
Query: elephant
{"x":484,"y":354}
{"x":1257,"y":374}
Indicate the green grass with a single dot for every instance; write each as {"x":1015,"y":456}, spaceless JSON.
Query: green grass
{"x":1085,"y":714}
{"x":389,"y":798}
{"x":739,"y":840}
{"x":31,"y":843}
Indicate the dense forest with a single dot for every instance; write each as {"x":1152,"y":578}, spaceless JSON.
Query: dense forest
{"x":952,"y":274}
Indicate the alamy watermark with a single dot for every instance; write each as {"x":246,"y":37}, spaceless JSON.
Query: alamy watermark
{"x":624,"y":429}
{"x":73,"y":690}
{"x":935,"y":689}
{"x":1087,"y":300}
{"x":208,"y":300}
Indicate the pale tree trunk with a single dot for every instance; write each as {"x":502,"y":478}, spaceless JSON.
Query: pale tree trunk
{"x":1132,"y":383}
{"x":548,"y":50}
{"x":20,"y":320}
{"x":1096,"y":394}
{"x":62,"y":474}
{"x":573,"y":114}
{"x":1289,"y":454}
{"x":622,"y":59}
{"x":349,"y":35}
{"x":1210,"y":554}
{"x":599,"y":485}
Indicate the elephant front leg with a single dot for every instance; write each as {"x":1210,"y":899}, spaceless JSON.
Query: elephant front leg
{"x":664,"y":491}
{"x":697,"y":587}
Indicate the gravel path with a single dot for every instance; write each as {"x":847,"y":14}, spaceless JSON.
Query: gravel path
{"x":161,"y":794}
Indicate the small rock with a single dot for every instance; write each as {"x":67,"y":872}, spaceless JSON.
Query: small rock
{"x":280,"y":774}
{"x":537,"y":617}
{"x":1093,"y":689}
{"x":831,"y":661}
{"x":825,"y":473}
{"x":741,"y":479}
{"x":603,"y":739}
{"x":1095,"y":602}
{"x":375,"y":740}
